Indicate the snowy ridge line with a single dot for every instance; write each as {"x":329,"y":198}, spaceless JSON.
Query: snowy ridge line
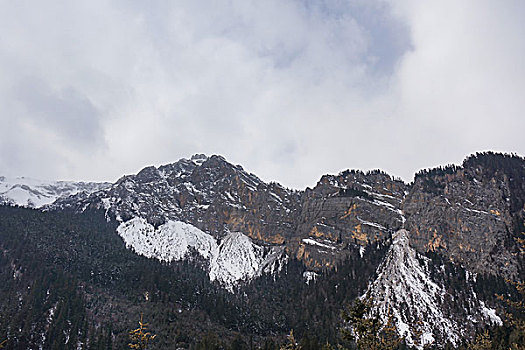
{"x":34,"y":193}
{"x":233,"y":259}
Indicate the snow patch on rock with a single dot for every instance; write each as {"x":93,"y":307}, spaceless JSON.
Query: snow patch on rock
{"x":404,"y":290}
{"x":170,"y":241}
{"x":239,"y":259}
{"x":402,"y":282}
{"x":234,"y":259}
{"x":309,"y":276}
{"x":490,"y":314}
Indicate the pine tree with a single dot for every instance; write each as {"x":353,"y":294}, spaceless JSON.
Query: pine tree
{"x":292,"y":343}
{"x":140,"y":338}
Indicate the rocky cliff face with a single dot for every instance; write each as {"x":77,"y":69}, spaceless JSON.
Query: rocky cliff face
{"x":352,"y":208}
{"x":207,"y":192}
{"x":470,"y":214}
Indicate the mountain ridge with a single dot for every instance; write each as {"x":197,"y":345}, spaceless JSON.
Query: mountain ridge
{"x":35,"y":193}
{"x":239,"y":230}
{"x":352,"y":207}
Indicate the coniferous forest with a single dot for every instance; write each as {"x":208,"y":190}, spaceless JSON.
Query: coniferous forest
{"x":69,"y":281}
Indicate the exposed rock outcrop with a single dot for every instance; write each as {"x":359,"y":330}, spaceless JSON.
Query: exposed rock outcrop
{"x":471,"y":214}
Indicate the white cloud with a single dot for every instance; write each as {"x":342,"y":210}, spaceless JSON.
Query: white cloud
{"x":287,"y":89}
{"x":461,"y":85}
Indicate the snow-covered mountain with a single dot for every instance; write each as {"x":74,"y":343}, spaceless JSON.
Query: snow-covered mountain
{"x":33,"y":193}
{"x":422,"y":309}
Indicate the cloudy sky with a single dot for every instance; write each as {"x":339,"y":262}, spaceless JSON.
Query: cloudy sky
{"x":290,"y":89}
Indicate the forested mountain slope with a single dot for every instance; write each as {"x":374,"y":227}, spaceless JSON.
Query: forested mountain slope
{"x":204,"y":247}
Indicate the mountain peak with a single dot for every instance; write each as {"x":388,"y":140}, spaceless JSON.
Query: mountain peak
{"x":213,"y":161}
{"x":199,"y":158}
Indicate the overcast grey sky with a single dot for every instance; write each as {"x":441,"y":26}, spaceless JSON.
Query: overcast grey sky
{"x":290,"y":89}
